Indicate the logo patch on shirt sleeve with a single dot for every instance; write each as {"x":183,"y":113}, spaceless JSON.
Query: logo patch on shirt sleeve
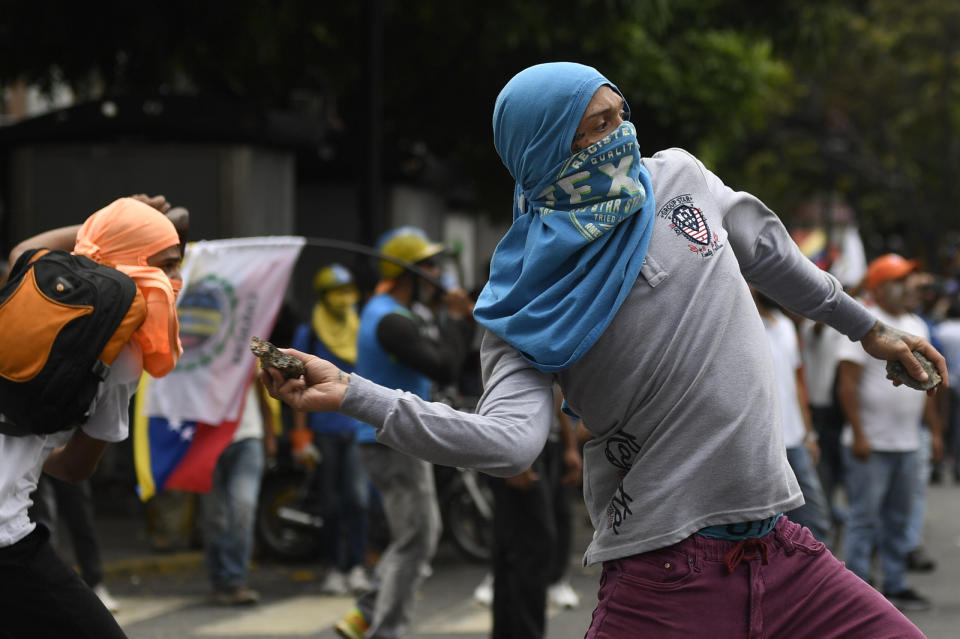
{"x":690,"y":224}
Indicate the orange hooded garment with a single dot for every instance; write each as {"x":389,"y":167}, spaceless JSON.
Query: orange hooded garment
{"x":124,"y":234}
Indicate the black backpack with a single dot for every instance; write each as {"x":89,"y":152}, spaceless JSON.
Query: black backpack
{"x":63,"y":320}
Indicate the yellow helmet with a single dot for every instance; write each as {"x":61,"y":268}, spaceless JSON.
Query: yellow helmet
{"x":331,"y":276}
{"x":407,"y":243}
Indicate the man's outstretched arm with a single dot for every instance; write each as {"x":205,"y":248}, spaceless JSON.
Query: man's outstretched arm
{"x":503,"y":438}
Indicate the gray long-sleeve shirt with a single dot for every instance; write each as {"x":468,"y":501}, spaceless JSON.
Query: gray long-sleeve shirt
{"x":678,"y":391}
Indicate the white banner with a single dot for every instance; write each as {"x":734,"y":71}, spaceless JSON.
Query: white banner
{"x":232,"y":290}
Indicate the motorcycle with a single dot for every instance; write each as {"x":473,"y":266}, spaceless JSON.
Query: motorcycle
{"x":466,"y":508}
{"x":288,"y":523}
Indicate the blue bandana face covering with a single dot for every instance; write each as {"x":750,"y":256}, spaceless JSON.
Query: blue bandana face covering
{"x":582,"y":222}
{"x":596,"y":189}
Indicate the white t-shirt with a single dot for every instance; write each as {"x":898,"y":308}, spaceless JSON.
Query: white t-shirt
{"x":786,"y":360}
{"x":890,"y":414}
{"x":819,"y":351}
{"x":21,"y":458}
{"x":251,"y":419}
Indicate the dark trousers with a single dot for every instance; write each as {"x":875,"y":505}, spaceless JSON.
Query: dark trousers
{"x":58,"y":501}
{"x":828,"y":422}
{"x":560,"y":497}
{"x":344,"y":490}
{"x":41,"y":597}
{"x":525,"y":534}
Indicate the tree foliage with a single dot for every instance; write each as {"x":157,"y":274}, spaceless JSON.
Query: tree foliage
{"x":787,"y":99}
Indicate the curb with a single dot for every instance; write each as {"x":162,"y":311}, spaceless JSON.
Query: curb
{"x":187,"y":561}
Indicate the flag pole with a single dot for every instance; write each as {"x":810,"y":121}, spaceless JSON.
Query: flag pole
{"x":353,"y":247}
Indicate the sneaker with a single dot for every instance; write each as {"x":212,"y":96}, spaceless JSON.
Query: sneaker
{"x":105,"y":598}
{"x":426,"y":570}
{"x":908,"y":600}
{"x":335,"y":583}
{"x":353,"y":625}
{"x":919,"y":561}
{"x":235,"y":596}
{"x":562,"y":595}
{"x":936,"y":476}
{"x":357,"y":579}
{"x":483,"y":594}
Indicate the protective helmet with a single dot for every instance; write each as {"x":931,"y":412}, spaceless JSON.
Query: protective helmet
{"x":331,"y":276}
{"x":888,"y":267}
{"x":407,"y":243}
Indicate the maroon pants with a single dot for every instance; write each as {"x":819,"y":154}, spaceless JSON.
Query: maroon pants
{"x":785,"y":584}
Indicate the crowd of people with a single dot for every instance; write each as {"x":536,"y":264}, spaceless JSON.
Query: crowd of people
{"x":870,"y":449}
{"x":624,"y":305}
{"x":688,"y":487}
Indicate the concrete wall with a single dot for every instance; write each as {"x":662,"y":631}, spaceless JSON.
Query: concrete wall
{"x":230,"y":190}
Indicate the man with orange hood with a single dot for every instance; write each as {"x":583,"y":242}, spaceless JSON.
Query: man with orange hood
{"x":40,"y":596}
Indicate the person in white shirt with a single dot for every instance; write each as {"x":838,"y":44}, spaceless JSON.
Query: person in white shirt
{"x":882,"y":440}
{"x":40,"y":595}
{"x":819,"y":346}
{"x":799,"y":438}
{"x":230,"y":508}
{"x":638,"y":307}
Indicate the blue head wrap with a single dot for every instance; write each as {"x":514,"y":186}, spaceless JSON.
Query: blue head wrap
{"x":581,"y":222}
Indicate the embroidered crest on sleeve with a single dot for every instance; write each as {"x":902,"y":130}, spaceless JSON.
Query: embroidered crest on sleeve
{"x":690,"y":224}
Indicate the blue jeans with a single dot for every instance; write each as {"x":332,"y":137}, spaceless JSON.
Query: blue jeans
{"x":344,"y":487}
{"x":880,"y":491}
{"x":918,"y":508}
{"x":229,"y":512}
{"x":814,"y":514}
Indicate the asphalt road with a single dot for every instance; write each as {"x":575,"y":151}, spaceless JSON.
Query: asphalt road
{"x":165,"y":596}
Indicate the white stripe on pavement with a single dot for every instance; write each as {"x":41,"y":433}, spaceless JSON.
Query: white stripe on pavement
{"x":134,"y":609}
{"x":468,"y":617}
{"x":296,"y":616}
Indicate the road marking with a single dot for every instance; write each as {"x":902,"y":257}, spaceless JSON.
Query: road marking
{"x":468,"y":617}
{"x":135,"y":609}
{"x":296,"y":616}
{"x":301,"y":616}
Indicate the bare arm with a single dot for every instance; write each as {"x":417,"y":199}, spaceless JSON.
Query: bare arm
{"x":64,"y":238}
{"x":76,"y":460}
{"x":848,"y":382}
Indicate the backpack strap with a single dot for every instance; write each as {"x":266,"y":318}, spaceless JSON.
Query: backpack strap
{"x":135,"y":316}
{"x":9,"y":428}
{"x":37,"y":254}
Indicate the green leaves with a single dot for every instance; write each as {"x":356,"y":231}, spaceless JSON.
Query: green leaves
{"x":787,"y":99}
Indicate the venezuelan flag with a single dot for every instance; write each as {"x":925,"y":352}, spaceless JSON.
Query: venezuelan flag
{"x":232,"y":290}
{"x":174,"y":456}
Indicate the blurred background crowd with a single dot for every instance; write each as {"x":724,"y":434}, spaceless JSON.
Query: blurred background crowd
{"x":344,"y":120}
